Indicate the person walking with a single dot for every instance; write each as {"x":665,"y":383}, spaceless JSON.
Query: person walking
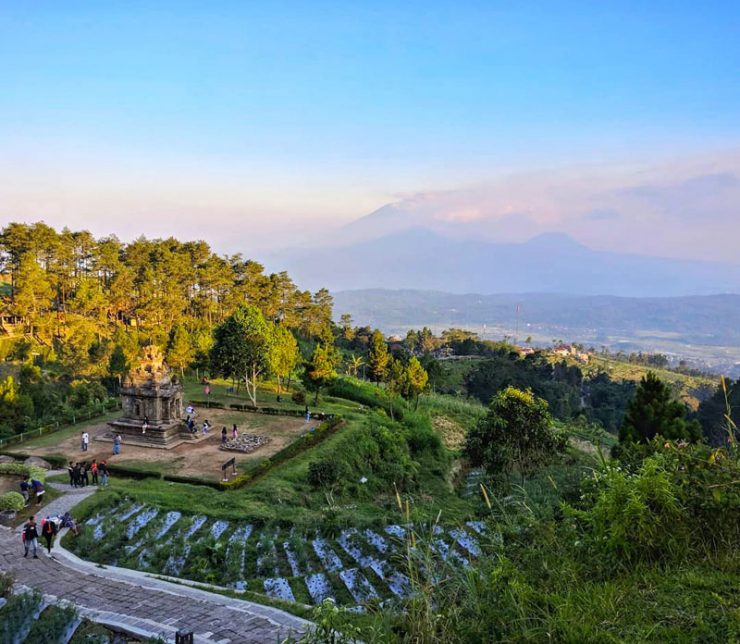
{"x":103,"y":473}
{"x":206,"y":427}
{"x":234,"y":432}
{"x":30,"y":537}
{"x":71,"y":470}
{"x":94,"y":471}
{"x":224,"y":436}
{"x":85,"y":441}
{"x":116,"y":444}
{"x":24,"y":490}
{"x":145,"y":425}
{"x":38,"y":488}
{"x":48,"y":530}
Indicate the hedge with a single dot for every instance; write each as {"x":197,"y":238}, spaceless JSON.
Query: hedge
{"x":268,"y":411}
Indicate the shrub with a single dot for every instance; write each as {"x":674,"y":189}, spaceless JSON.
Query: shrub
{"x":21,"y":469}
{"x":299,"y":397}
{"x":11,"y":501}
{"x":323,"y":473}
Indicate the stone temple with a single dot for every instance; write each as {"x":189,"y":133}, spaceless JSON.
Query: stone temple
{"x":150,"y":393}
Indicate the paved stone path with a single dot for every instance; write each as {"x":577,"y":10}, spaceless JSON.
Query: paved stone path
{"x":136,"y":602}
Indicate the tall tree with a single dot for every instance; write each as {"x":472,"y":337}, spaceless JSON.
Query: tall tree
{"x":396,"y":380}
{"x":241,"y":347}
{"x":378,"y":358}
{"x":284,"y":354}
{"x":319,"y":371}
{"x":33,"y":292}
{"x":653,"y":412}
{"x":180,"y":352}
{"x":416,"y":380}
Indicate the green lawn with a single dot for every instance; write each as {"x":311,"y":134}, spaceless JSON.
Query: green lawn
{"x":53,"y":438}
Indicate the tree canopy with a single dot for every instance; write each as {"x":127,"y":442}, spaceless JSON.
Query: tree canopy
{"x":653,"y":412}
{"x":516,"y":432}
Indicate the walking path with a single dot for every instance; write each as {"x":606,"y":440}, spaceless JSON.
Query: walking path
{"x":136,"y":602}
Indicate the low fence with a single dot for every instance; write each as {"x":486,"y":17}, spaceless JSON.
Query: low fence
{"x":49,"y":429}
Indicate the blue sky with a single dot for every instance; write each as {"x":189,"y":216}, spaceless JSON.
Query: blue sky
{"x":298,"y":113}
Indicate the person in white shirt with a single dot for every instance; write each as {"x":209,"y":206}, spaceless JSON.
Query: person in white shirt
{"x":85,"y":441}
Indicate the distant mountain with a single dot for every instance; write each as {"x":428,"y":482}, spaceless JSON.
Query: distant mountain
{"x":418,"y":258}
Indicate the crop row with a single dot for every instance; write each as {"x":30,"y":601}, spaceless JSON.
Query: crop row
{"x":353,"y":568}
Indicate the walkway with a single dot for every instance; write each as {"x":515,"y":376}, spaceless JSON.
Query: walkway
{"x":136,"y":602}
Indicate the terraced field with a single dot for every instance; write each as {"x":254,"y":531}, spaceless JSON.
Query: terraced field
{"x":354,"y":567}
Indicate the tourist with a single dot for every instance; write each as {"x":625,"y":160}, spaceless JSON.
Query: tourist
{"x":69,"y":522}
{"x":190,"y":410}
{"x":234,"y":432}
{"x":84,"y":481}
{"x":38,"y":488}
{"x":103,"y":473}
{"x":94,"y":472}
{"x":224,"y":436}
{"x":48,"y":529}
{"x":116,"y":444}
{"x":206,"y":427}
{"x":71,"y":470}
{"x":30,"y":536}
{"x":24,"y":490}
{"x":191,"y":425}
{"x":145,"y":425}
{"x":85,"y":441}
{"x":308,"y":415}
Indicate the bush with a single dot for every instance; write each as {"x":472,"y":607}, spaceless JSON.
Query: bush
{"x":676,"y":499}
{"x":21,"y":469}
{"x":11,"y":501}
{"x":299,"y":397}
{"x":323,"y":473}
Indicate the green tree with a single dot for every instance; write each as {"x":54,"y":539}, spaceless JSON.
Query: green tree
{"x":117,"y":363}
{"x":396,"y":380}
{"x":378,"y":357}
{"x":653,"y":412}
{"x":416,"y":380}
{"x":180,"y":351}
{"x":284,"y":354}
{"x":33,"y":292}
{"x":354,"y":364}
{"x":241,"y":347}
{"x":348,"y":333}
{"x":319,"y":371}
{"x":515,"y":433}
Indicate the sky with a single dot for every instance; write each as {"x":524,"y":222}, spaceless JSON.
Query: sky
{"x":263,"y":125}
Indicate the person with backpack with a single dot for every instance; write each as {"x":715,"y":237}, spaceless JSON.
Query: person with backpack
{"x":48,"y":530}
{"x":30,"y":537}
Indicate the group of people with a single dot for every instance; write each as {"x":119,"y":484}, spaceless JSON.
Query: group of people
{"x":48,"y":529}
{"x":32,"y":485}
{"x":83,"y":474}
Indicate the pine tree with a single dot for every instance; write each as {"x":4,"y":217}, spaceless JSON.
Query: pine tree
{"x":378,"y":359}
{"x":653,"y":412}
